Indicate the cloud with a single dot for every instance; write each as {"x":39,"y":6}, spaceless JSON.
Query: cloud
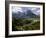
{"x":36,"y":11}
{"x":33,"y":8}
{"x":16,"y":9}
{"x":24,"y":10}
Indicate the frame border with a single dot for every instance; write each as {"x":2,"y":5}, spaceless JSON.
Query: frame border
{"x":7,"y":18}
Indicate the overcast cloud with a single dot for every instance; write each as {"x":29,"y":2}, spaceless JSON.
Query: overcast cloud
{"x":24,"y":9}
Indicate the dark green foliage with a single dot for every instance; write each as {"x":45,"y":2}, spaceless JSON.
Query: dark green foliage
{"x":36,"y":25}
{"x":28,"y":21}
{"x":25,"y":24}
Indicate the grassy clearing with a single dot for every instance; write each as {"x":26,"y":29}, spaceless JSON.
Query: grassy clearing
{"x":25,"y":24}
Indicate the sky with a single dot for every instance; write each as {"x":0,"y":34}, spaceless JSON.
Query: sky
{"x":24,"y":9}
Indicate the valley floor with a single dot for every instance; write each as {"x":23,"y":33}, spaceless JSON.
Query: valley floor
{"x":26,"y":24}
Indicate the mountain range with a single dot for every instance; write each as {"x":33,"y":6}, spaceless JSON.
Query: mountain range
{"x":27,"y":14}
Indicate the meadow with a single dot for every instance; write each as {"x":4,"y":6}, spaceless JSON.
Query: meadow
{"x":22,"y":24}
